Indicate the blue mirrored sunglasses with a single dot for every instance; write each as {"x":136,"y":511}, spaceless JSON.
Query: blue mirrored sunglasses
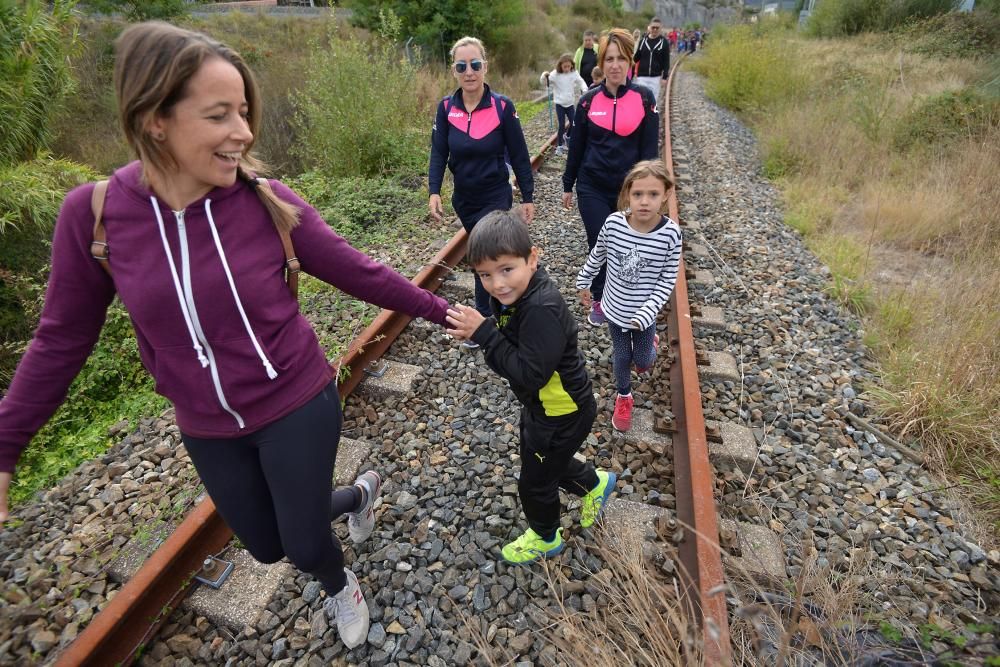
{"x":476,"y":65}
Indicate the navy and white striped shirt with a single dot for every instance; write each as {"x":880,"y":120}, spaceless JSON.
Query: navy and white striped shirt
{"x":642,"y":269}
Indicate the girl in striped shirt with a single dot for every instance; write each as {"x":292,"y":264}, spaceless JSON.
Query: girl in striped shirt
{"x":642,"y":248}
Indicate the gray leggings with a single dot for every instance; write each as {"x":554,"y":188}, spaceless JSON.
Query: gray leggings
{"x":273,"y":488}
{"x":630,"y":346}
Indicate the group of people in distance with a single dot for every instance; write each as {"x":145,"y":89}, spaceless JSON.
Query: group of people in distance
{"x":197,"y":258}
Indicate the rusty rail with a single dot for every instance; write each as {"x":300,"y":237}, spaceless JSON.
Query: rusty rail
{"x":117,"y":635}
{"x":694,"y":481}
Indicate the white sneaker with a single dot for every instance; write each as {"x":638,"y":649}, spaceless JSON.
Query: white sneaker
{"x":360,"y":524}
{"x":351,"y":611}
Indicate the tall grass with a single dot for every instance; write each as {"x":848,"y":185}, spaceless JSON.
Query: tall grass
{"x":887,"y":161}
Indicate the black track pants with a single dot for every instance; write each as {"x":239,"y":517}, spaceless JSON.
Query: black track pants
{"x":547,"y":465}
{"x":273,"y":488}
{"x":596,"y":204}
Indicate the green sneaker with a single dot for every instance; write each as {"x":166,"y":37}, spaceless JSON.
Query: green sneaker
{"x":593,"y":502}
{"x":530,"y":547}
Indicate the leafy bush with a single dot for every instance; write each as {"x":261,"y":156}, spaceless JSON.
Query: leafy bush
{"x":833,"y":18}
{"x":35,"y":42}
{"x":356,"y":114}
{"x":32,"y":194}
{"x":751,"y":67}
{"x":355,"y":206}
{"x":143,"y":10}
{"x":943,"y":118}
{"x":952,"y":35}
{"x":113,"y":386}
{"x":29,"y":203}
{"x":437,"y":24}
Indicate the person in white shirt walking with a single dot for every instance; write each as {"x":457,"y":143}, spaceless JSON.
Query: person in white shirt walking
{"x":567,"y":86}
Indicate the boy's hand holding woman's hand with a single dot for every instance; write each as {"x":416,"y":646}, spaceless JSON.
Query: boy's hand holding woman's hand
{"x":463,"y":321}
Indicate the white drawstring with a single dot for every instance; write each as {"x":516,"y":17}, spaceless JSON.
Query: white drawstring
{"x":271,"y":373}
{"x":177,"y":285}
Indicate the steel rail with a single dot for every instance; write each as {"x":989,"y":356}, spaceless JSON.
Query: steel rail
{"x":694,"y":481}
{"x":117,"y":635}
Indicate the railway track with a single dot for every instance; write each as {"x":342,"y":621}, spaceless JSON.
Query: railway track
{"x":130,"y":621}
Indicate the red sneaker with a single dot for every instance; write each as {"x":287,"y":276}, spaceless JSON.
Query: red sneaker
{"x":622,"y":418}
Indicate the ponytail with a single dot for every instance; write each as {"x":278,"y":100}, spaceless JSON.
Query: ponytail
{"x":284,"y":215}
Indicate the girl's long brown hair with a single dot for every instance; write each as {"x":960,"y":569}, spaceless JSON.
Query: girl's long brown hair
{"x":153,"y":63}
{"x":654,"y":168}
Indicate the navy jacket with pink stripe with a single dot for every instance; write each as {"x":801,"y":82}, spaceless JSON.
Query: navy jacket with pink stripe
{"x":473,"y":145}
{"x":610,"y":134}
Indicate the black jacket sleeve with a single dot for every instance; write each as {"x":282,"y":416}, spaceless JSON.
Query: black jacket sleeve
{"x":529,"y":365}
{"x":665,"y":56}
{"x":439,"y":151}
{"x":517,"y":150}
{"x":649,"y":147}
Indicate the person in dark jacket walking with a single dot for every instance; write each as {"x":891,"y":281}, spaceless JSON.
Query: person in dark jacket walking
{"x":197,"y":261}
{"x":652,"y":59}
{"x":585,"y":58}
{"x":531,"y":341}
{"x":473,"y":130}
{"x":616,"y":125}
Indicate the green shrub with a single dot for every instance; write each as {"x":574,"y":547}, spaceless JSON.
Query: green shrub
{"x":750,"y":68}
{"x":143,"y":10}
{"x":356,"y":114}
{"x":32,"y":194}
{"x":834,"y":18}
{"x":30,"y":198}
{"x":952,"y":35}
{"x":940,"y":119}
{"x":35,"y":42}
{"x":113,"y":386}
{"x":356,"y":207}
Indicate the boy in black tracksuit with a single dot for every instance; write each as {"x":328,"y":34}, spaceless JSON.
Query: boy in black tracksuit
{"x":531,"y":340}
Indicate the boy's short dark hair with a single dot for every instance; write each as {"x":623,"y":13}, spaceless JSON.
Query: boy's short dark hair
{"x":499,"y":233}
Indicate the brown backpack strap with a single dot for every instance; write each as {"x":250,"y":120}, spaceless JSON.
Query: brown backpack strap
{"x":99,"y":246}
{"x":292,"y":264}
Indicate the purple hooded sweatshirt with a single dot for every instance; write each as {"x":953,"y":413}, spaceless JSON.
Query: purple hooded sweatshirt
{"x":217,"y":326}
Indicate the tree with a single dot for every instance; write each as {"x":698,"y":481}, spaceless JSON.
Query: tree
{"x":437,"y":24}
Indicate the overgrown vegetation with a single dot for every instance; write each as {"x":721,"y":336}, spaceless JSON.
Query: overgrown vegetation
{"x":837,"y":18}
{"x":887,"y":160}
{"x":35,"y":43}
{"x":375,"y":128}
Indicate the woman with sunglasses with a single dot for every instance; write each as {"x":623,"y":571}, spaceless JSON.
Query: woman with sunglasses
{"x":616,"y":126}
{"x":475,"y":132}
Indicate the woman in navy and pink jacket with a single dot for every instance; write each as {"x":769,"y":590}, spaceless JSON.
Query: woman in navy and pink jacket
{"x":476,"y":132}
{"x":616,"y":126}
{"x":197,"y":260}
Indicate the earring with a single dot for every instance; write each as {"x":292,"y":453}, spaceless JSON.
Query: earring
{"x":159,"y":136}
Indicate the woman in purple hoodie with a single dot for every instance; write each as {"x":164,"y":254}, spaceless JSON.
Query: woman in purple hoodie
{"x":197,"y":261}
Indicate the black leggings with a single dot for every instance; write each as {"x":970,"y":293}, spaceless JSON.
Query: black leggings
{"x":596,"y":203}
{"x":565,"y":115}
{"x":273,"y":488}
